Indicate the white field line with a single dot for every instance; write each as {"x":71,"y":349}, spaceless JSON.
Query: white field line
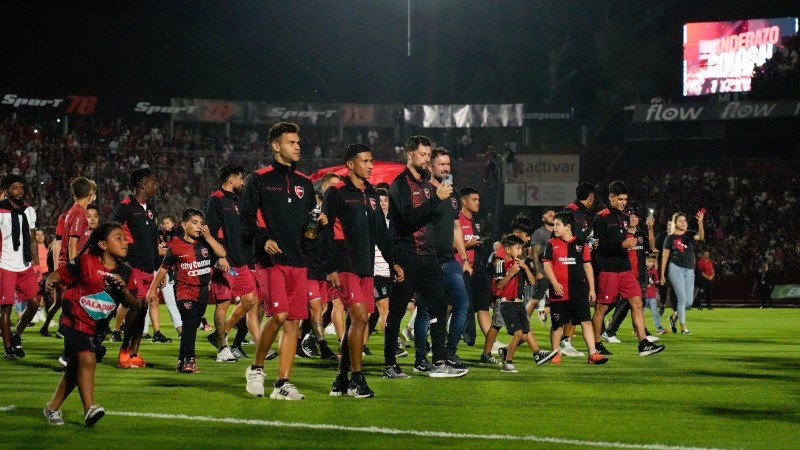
{"x":395,"y":431}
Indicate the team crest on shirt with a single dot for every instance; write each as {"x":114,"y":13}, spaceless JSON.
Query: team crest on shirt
{"x":204,"y":252}
{"x":578,"y":248}
{"x":236,"y":208}
{"x":427,"y":192}
{"x":477,"y":227}
{"x":373,"y":204}
{"x":150,"y":214}
{"x":187,"y":305}
{"x":299,"y":191}
{"x":454,"y":203}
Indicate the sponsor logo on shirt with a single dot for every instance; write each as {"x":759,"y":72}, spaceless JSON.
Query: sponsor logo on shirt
{"x":98,"y":306}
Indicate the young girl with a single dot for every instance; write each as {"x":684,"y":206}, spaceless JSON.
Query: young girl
{"x":102,"y":282}
{"x":191,"y":257}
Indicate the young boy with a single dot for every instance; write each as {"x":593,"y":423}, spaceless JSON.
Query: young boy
{"x":651,"y":292}
{"x":569,"y":297}
{"x":511,"y":274}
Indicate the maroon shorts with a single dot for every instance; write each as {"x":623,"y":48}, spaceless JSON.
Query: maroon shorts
{"x":357,"y":289}
{"x":317,"y":290}
{"x":23,"y":283}
{"x":285,"y":290}
{"x":610,"y":285}
{"x":143,"y":282}
{"x":226,"y":287}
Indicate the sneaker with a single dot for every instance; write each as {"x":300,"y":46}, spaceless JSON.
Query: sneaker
{"x":339,"y":387}
{"x":53,"y":416}
{"x":325,"y":352}
{"x":447,"y":370}
{"x":652,"y":338}
{"x":568,"y":350}
{"x":330,"y":329}
{"x":271,"y":354}
{"x":401,"y":352}
{"x":394,"y":372}
{"x":408,"y":334}
{"x":61,"y":336}
{"x":508,"y":368}
{"x":612,"y":338}
{"x":238,"y":352}
{"x":213,"y":339}
{"x":160,"y":338}
{"x":597,"y":358}
{"x":647,"y":348}
{"x":684,"y":332}
{"x":255,"y":381}
{"x":358,"y":388}
{"x":309,"y":346}
{"x":663,"y":331}
{"x":287,"y":392}
{"x":137,"y":362}
{"x":45,"y":332}
{"x":179,"y":365}
{"x":673,"y":319}
{"x":487,"y":358}
{"x":116,"y":336}
{"x":9,"y":353}
{"x":543,"y":318}
{"x":147,"y":336}
{"x":542,"y":357}
{"x":602,"y":349}
{"x":189,"y":366}
{"x":365,"y":351}
{"x":556,"y":359}
{"x":95,"y":413}
{"x":124,"y":358}
{"x":422,"y":366}
{"x":226,"y":355}
{"x":63,"y":360}
{"x":16,"y":345}
{"x":502,"y":351}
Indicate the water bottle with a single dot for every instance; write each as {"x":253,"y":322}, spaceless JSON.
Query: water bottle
{"x":313,"y":223}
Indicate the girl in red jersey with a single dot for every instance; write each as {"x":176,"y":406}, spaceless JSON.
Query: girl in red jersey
{"x":191,"y":257}
{"x":102,"y":282}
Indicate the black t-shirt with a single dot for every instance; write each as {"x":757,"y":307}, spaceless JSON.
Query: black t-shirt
{"x":681,"y":249}
{"x":445,"y":215}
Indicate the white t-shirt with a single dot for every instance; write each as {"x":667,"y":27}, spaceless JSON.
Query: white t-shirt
{"x":9,"y":258}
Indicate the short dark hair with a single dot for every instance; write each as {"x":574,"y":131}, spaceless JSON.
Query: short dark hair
{"x":81,"y":187}
{"x":229,"y":169}
{"x":467,"y":191}
{"x":511,"y":240}
{"x":382,"y":192}
{"x":140,"y":174}
{"x":382,"y":185}
{"x":188,"y":213}
{"x":414,"y":142}
{"x":281,"y":128}
{"x":10,"y":179}
{"x":584,"y":190}
{"x":566,"y":218}
{"x":549,"y":209}
{"x":170,"y":217}
{"x":439,"y":151}
{"x":523,"y":224}
{"x":92,"y":206}
{"x":618,"y":187}
{"x":352,"y":150}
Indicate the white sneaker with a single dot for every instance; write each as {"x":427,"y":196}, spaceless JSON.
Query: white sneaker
{"x":226,"y":355}
{"x":568,"y":350}
{"x":612,"y":338}
{"x":408,"y":334}
{"x":652,"y":338}
{"x":255,"y":381}
{"x":330,"y":329}
{"x":286,"y":392}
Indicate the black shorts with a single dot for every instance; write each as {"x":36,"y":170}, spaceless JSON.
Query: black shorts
{"x":481,"y":290}
{"x":515,"y":316}
{"x":77,"y":342}
{"x":381,"y":288}
{"x":575,"y":310}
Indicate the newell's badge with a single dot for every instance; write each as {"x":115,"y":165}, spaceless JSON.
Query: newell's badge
{"x":299,"y":191}
{"x":454,"y":203}
{"x":373,"y":204}
{"x":204,"y":252}
{"x":578,"y":248}
{"x":150,"y":214}
{"x":427,"y":192}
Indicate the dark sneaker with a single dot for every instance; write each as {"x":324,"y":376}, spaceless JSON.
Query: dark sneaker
{"x":95,"y":413}
{"x":160,"y":338}
{"x":299,"y":351}
{"x":100,"y":353}
{"x":489,"y":359}
{"x":394,"y":372}
{"x":147,"y":336}
{"x":238,"y":352}
{"x":190,"y":366}
{"x":339,"y":387}
{"x":358,"y":388}
{"x":508,"y":368}
{"x":213,"y":339}
{"x":116,"y":336}
{"x":325,"y":352}
{"x":9,"y":354}
{"x":366,"y":351}
{"x":54,"y":417}
{"x":502,"y":351}
{"x":602,"y":349}
{"x":45,"y":332}
{"x":422,"y":366}
{"x":647,"y":348}
{"x":61,"y":336}
{"x":16,"y":345}
{"x":446,"y":370}
{"x":309,"y":346}
{"x":401,"y":349}
{"x":673,"y":320}
{"x":271,"y":354}
{"x":455,"y":361}
{"x":179,"y":365}
{"x":542,"y":357}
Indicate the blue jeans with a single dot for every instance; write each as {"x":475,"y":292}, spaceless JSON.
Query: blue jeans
{"x":457,"y":295}
{"x":682,"y":280}
{"x":652,"y":303}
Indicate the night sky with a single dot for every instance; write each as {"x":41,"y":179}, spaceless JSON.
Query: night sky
{"x":560,"y":51}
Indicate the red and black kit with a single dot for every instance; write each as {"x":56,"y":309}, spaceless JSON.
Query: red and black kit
{"x":583,"y":220}
{"x":567,"y":258}
{"x":140,"y":223}
{"x":610,"y":229}
{"x":222,"y":218}
{"x":412,"y":202}
{"x":192,"y":263}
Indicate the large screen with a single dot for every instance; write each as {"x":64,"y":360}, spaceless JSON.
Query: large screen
{"x":719,"y":56}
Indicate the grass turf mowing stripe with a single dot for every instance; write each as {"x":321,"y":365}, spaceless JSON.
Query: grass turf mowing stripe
{"x":396,"y":431}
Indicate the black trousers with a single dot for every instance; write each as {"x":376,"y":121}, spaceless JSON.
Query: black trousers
{"x":190,"y":315}
{"x":423,"y":274}
{"x":707,"y":288}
